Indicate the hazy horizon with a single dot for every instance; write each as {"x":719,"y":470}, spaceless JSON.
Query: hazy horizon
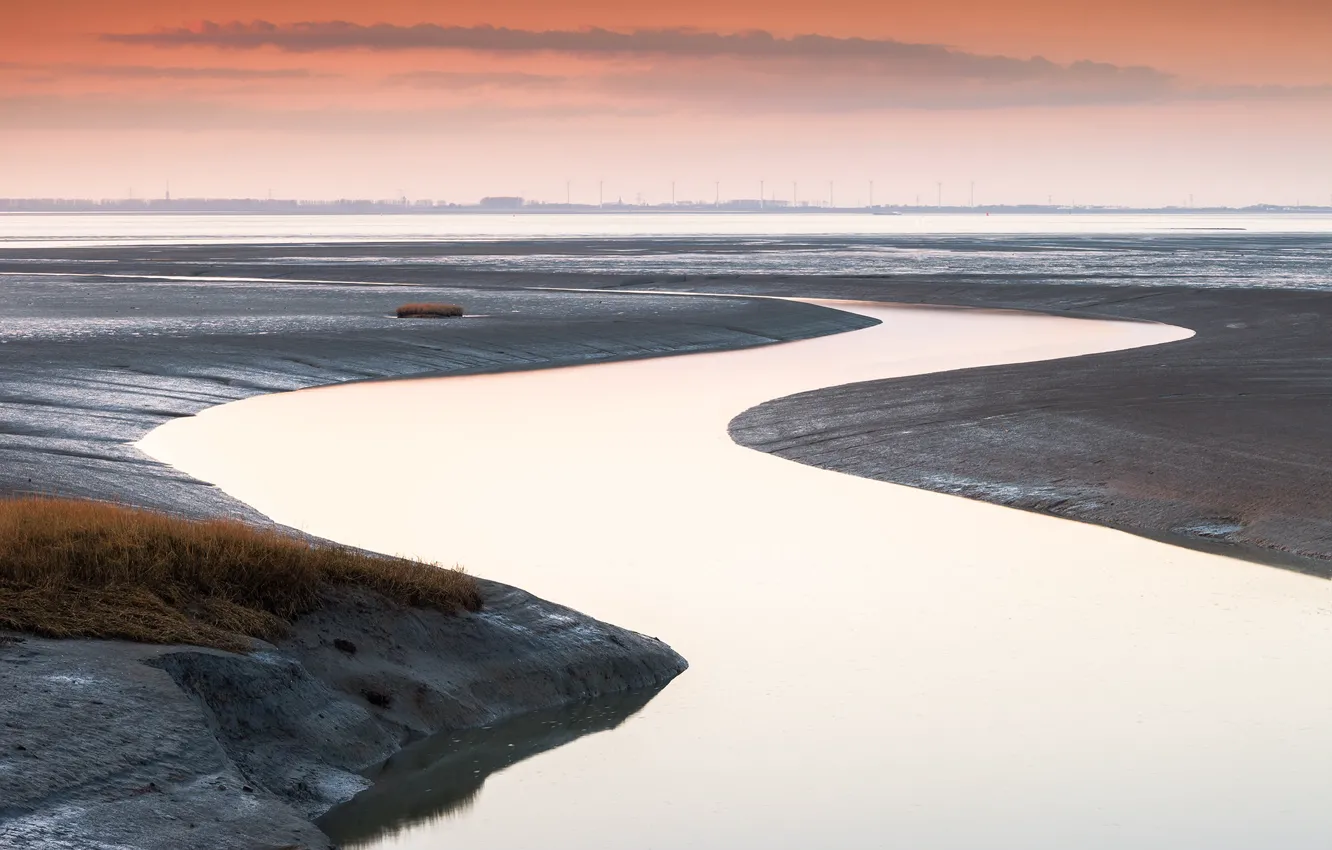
{"x":853,"y":199}
{"x":1139,"y":104}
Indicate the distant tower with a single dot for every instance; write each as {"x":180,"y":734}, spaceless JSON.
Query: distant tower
{"x":672,"y":193}
{"x":716,"y":198}
{"x":601,"y":193}
{"x":939,"y":201}
{"x":795,"y":193}
{"x":568,"y":192}
{"x":763,"y":194}
{"x":168,"y":192}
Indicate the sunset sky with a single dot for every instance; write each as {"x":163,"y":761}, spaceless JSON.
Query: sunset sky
{"x":1086,"y":101}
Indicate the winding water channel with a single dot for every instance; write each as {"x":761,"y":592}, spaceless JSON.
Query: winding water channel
{"x":872,"y":666}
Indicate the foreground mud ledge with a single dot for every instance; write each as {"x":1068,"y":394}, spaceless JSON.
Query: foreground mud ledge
{"x":109,"y":743}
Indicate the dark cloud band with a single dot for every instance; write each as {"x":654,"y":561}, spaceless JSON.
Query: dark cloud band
{"x":930,"y":59}
{"x":156,"y":72}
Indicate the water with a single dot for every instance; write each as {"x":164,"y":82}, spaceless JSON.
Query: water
{"x":1272,"y":250}
{"x":63,"y":230}
{"x":873,"y":666}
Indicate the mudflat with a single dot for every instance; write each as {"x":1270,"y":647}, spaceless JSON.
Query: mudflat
{"x":182,"y":746}
{"x":1218,"y":442}
{"x":1221,"y":442}
{"x":88,"y":365}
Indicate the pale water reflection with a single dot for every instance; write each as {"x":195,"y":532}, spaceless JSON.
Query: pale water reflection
{"x":442,"y":776}
{"x":38,"y":230}
{"x":873,"y":666}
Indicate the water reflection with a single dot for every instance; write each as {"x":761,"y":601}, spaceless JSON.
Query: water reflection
{"x":441,"y":776}
{"x":46,"y":230}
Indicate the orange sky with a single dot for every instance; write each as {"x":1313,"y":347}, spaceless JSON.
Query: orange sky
{"x":1234,"y":103}
{"x":1275,"y":40}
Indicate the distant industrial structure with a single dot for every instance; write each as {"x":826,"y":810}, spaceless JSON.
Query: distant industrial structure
{"x":502,"y":203}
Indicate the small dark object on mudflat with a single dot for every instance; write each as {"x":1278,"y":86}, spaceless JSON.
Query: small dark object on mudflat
{"x":429,"y":311}
{"x":343,"y":645}
{"x":377,"y":699}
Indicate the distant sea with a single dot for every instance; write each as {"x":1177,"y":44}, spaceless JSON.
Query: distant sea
{"x":1258,"y":250}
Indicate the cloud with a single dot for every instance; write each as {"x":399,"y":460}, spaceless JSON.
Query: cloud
{"x":926,"y":59}
{"x":737,"y":88}
{"x":644,"y":72}
{"x":157,"y":72}
{"x":464,"y":80}
{"x":1260,"y":93}
{"x":190,"y":115}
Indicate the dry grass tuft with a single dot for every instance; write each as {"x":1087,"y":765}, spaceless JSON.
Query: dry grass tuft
{"x":88,"y":569}
{"x":429,"y":311}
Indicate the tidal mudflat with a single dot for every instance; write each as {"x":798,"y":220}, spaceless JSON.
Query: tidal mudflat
{"x":871,"y":665}
{"x":1225,"y":424}
{"x":183,"y":746}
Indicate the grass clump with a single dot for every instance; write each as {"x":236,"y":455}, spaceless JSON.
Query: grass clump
{"x":427,"y":310}
{"x":88,"y":569}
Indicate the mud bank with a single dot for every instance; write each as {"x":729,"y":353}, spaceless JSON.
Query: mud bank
{"x":1217,"y":443}
{"x":89,"y":365}
{"x":118,"y":744}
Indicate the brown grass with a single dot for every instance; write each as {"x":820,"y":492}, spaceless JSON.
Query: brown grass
{"x":426,"y":310}
{"x":88,"y":569}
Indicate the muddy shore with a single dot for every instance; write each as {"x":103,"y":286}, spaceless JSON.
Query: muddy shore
{"x":88,"y":365}
{"x":188,"y":747}
{"x":1218,"y":442}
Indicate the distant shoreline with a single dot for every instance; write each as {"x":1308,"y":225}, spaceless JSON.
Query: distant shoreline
{"x":245,"y":206}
